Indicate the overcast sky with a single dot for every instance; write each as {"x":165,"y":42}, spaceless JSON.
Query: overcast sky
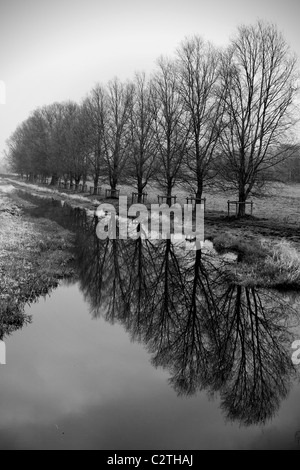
{"x":56,"y":50}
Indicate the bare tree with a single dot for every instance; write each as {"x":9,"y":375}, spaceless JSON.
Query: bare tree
{"x":259,"y":79}
{"x":117,"y":137}
{"x":17,"y":155}
{"x":95,"y":111}
{"x":26,"y":147}
{"x":170,"y":127}
{"x":142,"y":162}
{"x":53,"y":116}
{"x":288,"y":170}
{"x":198,"y":70}
{"x":34,"y":147}
{"x":73,"y":133}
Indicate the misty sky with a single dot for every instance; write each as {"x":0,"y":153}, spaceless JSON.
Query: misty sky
{"x":58,"y":50}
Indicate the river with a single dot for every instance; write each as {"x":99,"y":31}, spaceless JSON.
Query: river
{"x":149,"y":347}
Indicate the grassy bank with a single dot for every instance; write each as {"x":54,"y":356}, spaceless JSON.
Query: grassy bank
{"x":261,"y":262}
{"x":280,"y":202}
{"x":268,"y":249}
{"x":34,"y":255}
{"x":276,"y":214}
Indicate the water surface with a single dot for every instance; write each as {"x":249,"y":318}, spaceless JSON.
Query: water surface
{"x":151,"y":347}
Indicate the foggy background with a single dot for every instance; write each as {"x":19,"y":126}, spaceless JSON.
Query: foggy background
{"x":58,"y":50}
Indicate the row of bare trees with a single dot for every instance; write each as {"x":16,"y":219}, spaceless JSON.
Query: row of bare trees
{"x":204,"y":117}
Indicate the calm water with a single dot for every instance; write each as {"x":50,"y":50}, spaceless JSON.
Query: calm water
{"x":152,"y":347}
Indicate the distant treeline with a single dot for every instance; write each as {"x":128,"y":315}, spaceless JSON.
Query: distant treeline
{"x":204,"y":117}
{"x":288,"y":171}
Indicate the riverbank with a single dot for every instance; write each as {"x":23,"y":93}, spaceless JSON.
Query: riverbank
{"x":268,"y":250}
{"x":35,"y":254}
{"x":276,"y":215}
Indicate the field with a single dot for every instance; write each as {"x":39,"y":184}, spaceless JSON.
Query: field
{"x":35,"y":253}
{"x":280,"y":201}
{"x":276,"y":215}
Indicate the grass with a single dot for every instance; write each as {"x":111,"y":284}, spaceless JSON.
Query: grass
{"x":281,"y":202}
{"x":53,"y":191}
{"x":34,"y":255}
{"x":262,"y":263}
{"x":282,"y":266}
{"x":248,"y":252}
{"x":268,"y":254}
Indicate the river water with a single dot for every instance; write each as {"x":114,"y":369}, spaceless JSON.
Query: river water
{"x":149,"y":347}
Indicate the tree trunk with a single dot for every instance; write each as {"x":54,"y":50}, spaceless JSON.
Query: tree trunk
{"x":54,"y":180}
{"x":113,"y":184}
{"x":96,"y":182}
{"x":77,"y":181}
{"x":169,"y":194}
{"x":140,"y":188}
{"x":242,"y":199}
{"x":199,"y":189}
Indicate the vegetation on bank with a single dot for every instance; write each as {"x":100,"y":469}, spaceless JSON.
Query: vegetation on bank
{"x":261,"y":262}
{"x":34,"y":255}
{"x":36,"y":252}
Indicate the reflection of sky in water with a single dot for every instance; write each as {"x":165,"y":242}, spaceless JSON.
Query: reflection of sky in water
{"x":67,"y":373}
{"x":74,"y":380}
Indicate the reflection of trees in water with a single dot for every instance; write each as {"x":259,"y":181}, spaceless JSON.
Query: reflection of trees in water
{"x":12,"y":306}
{"x":251,"y":356}
{"x":103,"y":273}
{"x":12,"y":318}
{"x":209,"y":333}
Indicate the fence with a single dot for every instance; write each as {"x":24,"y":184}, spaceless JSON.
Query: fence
{"x":237,"y":204}
{"x":167,"y":199}
{"x":112,"y":193}
{"x":195,"y":201}
{"x":95,"y":191}
{"x":139,"y":197}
